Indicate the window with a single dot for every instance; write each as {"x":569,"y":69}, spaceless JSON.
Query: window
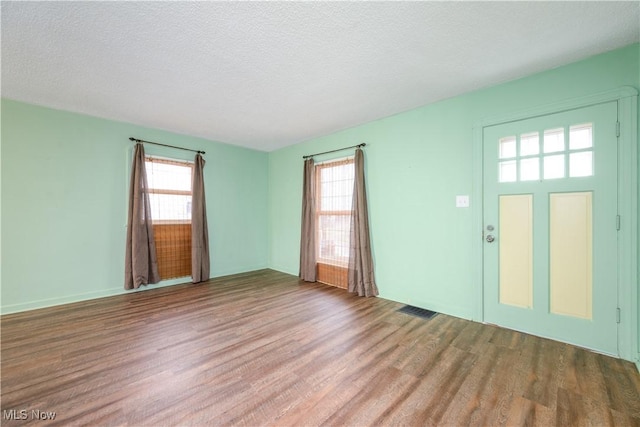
{"x":524,"y":158}
{"x":334,"y":192}
{"x":169,"y":184}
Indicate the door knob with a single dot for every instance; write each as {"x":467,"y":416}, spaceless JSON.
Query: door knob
{"x":490,"y":238}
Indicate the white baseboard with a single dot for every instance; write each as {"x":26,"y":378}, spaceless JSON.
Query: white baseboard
{"x":68,"y":299}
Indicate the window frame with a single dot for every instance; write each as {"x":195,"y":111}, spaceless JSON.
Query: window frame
{"x":319,"y":212}
{"x":175,"y":162}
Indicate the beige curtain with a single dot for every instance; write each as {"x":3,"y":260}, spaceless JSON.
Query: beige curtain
{"x":361,"y":277}
{"x":308,"y":232}
{"x":199,"y":230}
{"x":141,"y":264}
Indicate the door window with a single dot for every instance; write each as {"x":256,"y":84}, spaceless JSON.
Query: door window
{"x":521,"y":158}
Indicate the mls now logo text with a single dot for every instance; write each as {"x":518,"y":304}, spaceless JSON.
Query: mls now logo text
{"x":23,"y":414}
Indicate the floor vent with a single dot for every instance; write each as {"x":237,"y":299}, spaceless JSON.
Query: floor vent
{"x":417,"y":311}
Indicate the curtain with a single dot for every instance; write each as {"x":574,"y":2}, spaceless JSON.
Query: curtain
{"x":141,"y":264}
{"x":361,"y":277}
{"x":199,"y":230}
{"x":308,"y":232}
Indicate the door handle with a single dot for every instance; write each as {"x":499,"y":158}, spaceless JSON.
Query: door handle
{"x":490,"y":238}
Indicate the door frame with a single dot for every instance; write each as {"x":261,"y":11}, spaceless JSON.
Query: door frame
{"x":627,"y":99}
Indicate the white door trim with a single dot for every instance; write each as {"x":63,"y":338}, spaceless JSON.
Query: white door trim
{"x":627,"y":98}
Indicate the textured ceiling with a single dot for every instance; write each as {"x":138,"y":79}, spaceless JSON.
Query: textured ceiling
{"x":269,"y":74}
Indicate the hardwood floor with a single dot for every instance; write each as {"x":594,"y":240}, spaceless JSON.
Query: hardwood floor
{"x":262,"y":349}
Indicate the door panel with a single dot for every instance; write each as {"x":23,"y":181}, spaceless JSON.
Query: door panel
{"x":550,"y":206}
{"x":570,"y":254}
{"x":516,"y":250}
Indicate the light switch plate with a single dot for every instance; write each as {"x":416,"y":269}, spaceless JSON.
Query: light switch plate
{"x":462,"y":201}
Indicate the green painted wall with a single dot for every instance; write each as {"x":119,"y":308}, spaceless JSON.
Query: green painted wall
{"x":65,"y":181}
{"x":416,"y":163}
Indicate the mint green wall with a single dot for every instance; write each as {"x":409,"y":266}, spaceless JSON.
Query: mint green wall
{"x":65,"y":181}
{"x":416,"y":163}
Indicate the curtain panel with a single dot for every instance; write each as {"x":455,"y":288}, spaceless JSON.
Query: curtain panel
{"x":141,"y":264}
{"x":308,"y":231}
{"x":361,"y":276}
{"x":200,"y":264}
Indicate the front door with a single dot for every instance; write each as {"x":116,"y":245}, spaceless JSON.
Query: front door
{"x":550,"y":226}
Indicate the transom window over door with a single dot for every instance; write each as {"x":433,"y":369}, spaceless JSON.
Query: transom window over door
{"x":170,"y":195}
{"x":334,"y":197}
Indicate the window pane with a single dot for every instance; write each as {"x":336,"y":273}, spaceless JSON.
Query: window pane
{"x":337,"y":173}
{"x":335,"y":203}
{"x":507,"y":171}
{"x":553,"y":140}
{"x":168,"y":176}
{"x":529,"y":144}
{"x":581,"y":136}
{"x":507,"y":147}
{"x":530,"y":169}
{"x":581,"y":164}
{"x":165,"y":207}
{"x":554,"y":167}
{"x":333,"y":233}
{"x":336,"y":187}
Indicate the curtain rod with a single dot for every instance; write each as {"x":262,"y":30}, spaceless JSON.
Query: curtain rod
{"x":333,"y":151}
{"x":165,"y":145}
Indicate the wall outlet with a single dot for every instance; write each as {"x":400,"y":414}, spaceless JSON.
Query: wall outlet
{"x":462,"y":201}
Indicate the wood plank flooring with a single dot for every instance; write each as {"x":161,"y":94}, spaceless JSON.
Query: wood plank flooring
{"x":264,"y":349}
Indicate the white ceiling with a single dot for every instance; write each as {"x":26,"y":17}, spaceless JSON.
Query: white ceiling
{"x":265,"y":75}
